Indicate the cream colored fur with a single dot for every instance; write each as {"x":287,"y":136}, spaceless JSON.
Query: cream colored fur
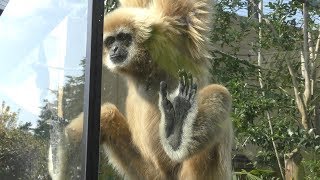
{"x":168,"y":35}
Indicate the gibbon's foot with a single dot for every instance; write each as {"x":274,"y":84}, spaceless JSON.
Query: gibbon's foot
{"x":176,"y":112}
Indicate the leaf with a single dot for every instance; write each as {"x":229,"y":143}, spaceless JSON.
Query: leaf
{"x":249,"y":176}
{"x":261,"y":172}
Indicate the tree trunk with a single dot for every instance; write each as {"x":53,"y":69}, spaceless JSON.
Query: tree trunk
{"x":316,"y":120}
{"x":294,"y":169}
{"x":253,"y":9}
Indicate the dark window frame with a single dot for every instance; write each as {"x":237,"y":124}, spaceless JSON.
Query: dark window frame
{"x":92,"y":91}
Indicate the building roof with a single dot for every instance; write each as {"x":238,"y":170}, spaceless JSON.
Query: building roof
{"x":3,"y":4}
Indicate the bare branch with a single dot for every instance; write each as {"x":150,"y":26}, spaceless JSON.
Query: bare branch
{"x":316,"y":52}
{"x":243,"y":61}
{"x":265,"y":19}
{"x":299,"y":99}
{"x":306,"y":55}
{"x":262,"y":88}
{"x":315,"y":57}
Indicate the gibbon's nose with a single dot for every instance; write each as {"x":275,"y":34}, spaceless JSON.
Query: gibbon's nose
{"x":115,"y":49}
{"x":118,"y":54}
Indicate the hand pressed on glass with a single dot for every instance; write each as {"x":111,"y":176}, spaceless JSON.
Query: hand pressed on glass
{"x":176,"y":112}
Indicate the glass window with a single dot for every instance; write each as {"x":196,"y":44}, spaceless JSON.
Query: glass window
{"x":43,"y":55}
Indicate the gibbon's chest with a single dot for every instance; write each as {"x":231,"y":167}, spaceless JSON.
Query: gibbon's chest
{"x":143,"y":120}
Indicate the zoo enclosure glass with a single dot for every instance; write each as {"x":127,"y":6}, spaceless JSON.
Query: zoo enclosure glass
{"x":43,"y":55}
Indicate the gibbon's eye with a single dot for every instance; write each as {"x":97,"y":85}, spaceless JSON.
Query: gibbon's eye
{"x":109,"y":41}
{"x":125,"y":37}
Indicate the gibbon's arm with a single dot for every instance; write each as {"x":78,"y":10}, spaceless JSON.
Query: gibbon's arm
{"x":122,"y":153}
{"x":193,"y":121}
{"x":116,"y":140}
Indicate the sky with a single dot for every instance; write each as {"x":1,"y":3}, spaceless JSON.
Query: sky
{"x":41,"y":41}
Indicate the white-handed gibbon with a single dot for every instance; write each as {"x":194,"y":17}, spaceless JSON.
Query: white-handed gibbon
{"x":176,"y":125}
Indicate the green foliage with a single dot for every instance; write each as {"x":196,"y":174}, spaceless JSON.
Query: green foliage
{"x":8,"y":119}
{"x":26,"y":126}
{"x":281,"y":40}
{"x":312,"y":167}
{"x":73,"y":92}
{"x":256,"y":174}
{"x":22,"y":155}
{"x":43,"y":128}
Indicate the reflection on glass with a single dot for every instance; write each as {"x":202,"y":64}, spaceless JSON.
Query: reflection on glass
{"x":42,"y":47}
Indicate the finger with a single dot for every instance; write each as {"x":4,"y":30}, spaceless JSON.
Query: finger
{"x":169,"y":105}
{"x":195,"y":87}
{"x":190,"y":83}
{"x":181,"y":83}
{"x":163,"y":89}
{"x":185,"y":82}
{"x":190,"y":79}
{"x":193,"y":96}
{"x":193,"y":92}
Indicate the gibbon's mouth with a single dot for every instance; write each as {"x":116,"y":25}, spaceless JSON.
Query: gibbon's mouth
{"x":118,"y":58}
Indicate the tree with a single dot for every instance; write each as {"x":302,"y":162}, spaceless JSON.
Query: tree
{"x":266,"y":98}
{"x":43,"y":127}
{"x":22,"y":155}
{"x":8,"y":119}
{"x":304,"y":90}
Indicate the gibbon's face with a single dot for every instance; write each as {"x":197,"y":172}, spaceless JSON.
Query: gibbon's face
{"x":125,"y":32}
{"x":118,"y":47}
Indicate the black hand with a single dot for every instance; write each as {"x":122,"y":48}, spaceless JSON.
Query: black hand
{"x":168,"y":109}
{"x":187,"y":91}
{"x":176,"y":112}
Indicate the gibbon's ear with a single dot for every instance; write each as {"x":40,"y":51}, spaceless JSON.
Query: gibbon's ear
{"x":134,"y":3}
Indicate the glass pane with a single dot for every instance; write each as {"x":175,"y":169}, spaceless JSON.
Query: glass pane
{"x":114,"y":91}
{"x":145,"y":133}
{"x":42,"y":47}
